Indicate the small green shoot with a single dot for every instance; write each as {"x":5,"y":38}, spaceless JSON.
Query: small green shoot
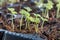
{"x":13,"y":13}
{"x":26,"y":14}
{"x":48,"y":6}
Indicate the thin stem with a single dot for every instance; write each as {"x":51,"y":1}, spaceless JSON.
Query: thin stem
{"x":26,"y":26}
{"x":43,"y":14}
{"x":47,"y":15}
{"x":57,"y":15}
{"x":36,"y":28}
{"x":12,"y":23}
{"x":42,"y":26}
{"x":21,"y":22}
{"x":29,"y":26}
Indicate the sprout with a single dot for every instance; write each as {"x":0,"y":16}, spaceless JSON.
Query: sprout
{"x":48,"y":6}
{"x":43,"y":20}
{"x":28,"y":23}
{"x":27,"y":15}
{"x":13,"y":13}
{"x":37,"y":20}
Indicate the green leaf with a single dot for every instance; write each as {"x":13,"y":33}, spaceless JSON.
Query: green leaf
{"x":11,"y":9}
{"x":49,"y":5}
{"x":44,"y":19}
{"x":37,"y":20}
{"x":25,"y":13}
{"x":37,"y":15}
{"x":14,"y":12}
{"x":58,"y":5}
{"x":28,"y":9}
{"x":31,"y":19}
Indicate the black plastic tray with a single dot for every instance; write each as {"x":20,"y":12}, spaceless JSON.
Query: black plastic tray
{"x":6,"y":35}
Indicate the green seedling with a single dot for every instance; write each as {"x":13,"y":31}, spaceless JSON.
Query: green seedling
{"x":27,"y":15}
{"x":43,"y":19}
{"x":28,"y":20}
{"x":37,"y":21}
{"x":48,"y":6}
{"x":22,"y":13}
{"x":13,"y":13}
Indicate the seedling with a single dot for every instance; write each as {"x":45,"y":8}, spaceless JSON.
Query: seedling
{"x":13,"y":13}
{"x":43,"y":19}
{"x":27,"y":15}
{"x":37,"y":21}
{"x":48,"y":6}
